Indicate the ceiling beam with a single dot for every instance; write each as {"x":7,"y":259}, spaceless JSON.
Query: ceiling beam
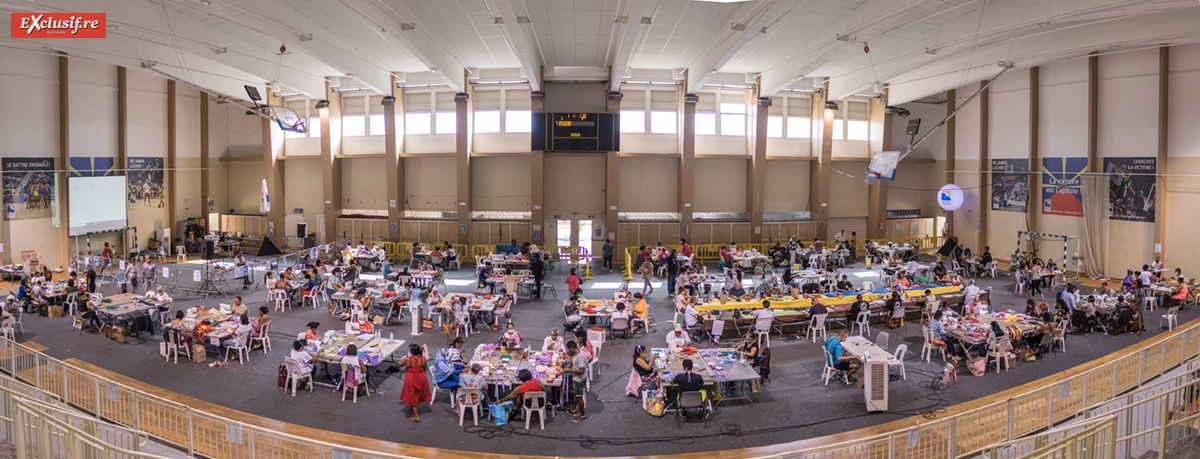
{"x":1149,"y":31}
{"x":746,"y":23}
{"x":396,"y":22}
{"x":866,"y":21}
{"x":519,"y":31}
{"x":281,"y":22}
{"x":629,"y":32}
{"x":1005,"y":21}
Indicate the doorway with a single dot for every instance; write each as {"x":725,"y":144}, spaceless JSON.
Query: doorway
{"x":574,"y":233}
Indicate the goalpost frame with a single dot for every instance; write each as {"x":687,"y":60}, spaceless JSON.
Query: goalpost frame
{"x":1046,"y":235}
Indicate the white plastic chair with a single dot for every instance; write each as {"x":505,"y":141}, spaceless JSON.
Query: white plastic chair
{"x":829,"y":371}
{"x":362,"y":379}
{"x":990,"y":269}
{"x":863,"y":322}
{"x":929,"y":347}
{"x":534,"y":402}
{"x":817,"y":325}
{"x":175,"y":344}
{"x":1171,"y":317}
{"x":310,"y":298}
{"x":998,"y":351}
{"x":1060,"y":335}
{"x":898,"y":360}
{"x":264,"y":338}
{"x":281,"y":299}
{"x":241,"y":346}
{"x":882,"y":339}
{"x":868,"y":285}
{"x":762,"y":331}
{"x":180,"y":254}
{"x":295,"y":374}
{"x":1151,"y":302}
{"x":7,"y":330}
{"x":469,"y":399}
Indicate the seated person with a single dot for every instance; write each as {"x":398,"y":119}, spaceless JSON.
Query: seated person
{"x":844,"y":285}
{"x":260,"y":322}
{"x":483,"y":289}
{"x":686,"y":381}
{"x":305,"y":359}
{"x":748,"y":348}
{"x":817,"y":308}
{"x":243,"y":329}
{"x":553,"y":342}
{"x":511,"y":337}
{"x":939,"y":270}
{"x":922,"y":278}
{"x":641,"y":309}
{"x":502,"y":308}
{"x":811,"y":288}
{"x":736,"y":290}
{"x":621,"y":312}
{"x":678,"y":336}
{"x":528,"y":384}
{"x":846,"y":363}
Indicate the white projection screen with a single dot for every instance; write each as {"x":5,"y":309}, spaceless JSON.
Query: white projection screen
{"x":97,"y":204}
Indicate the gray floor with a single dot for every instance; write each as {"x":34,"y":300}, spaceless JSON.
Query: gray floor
{"x":794,"y":406}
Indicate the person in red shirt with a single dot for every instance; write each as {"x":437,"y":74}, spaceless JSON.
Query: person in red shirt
{"x":685,"y":249}
{"x":528,"y":384}
{"x":573,"y":281}
{"x":107,"y":255}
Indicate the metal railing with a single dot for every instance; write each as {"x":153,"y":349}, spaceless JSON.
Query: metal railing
{"x":968,"y":432}
{"x":196,"y":432}
{"x":1094,"y":438}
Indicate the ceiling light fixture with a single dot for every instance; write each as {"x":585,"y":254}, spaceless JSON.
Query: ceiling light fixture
{"x":831,"y":105}
{"x":205,"y":2}
{"x":322,"y":104}
{"x":388,"y":100}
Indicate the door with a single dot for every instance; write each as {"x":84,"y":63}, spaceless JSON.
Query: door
{"x":584,"y":238}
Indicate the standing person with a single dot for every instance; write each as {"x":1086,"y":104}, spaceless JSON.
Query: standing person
{"x":647,"y":272}
{"x":106,"y":257}
{"x":608,"y":254}
{"x":539,"y":273}
{"x":573,"y":280}
{"x":240,"y":260}
{"x":672,"y":271}
{"x":578,"y":386}
{"x":416,"y":385}
{"x":91,"y":279}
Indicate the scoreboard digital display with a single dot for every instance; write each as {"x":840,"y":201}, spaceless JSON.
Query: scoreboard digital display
{"x":575,"y":132}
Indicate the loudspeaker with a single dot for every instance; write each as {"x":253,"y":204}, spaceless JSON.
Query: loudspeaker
{"x":301,"y":230}
{"x":209,"y":250}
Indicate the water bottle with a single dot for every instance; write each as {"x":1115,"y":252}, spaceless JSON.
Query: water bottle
{"x":391,"y":335}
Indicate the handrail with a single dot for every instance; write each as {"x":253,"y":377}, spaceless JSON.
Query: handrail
{"x":203,"y":433}
{"x":1057,"y":400}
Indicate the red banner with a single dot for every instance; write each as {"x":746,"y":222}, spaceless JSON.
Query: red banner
{"x":59,"y":25}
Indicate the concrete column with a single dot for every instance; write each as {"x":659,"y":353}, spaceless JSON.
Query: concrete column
{"x":393,"y":148}
{"x":1160,"y":207}
{"x":951,"y":153}
{"x":1093,"y":116}
{"x":1034,"y":207}
{"x":331,"y":166}
{"x":537,"y":176}
{"x":758,"y":170}
{"x":64,"y":157}
{"x":612,"y":179}
{"x":170,"y":163}
{"x":818,"y":194}
{"x":985,"y":167}
{"x":272,"y":141}
{"x":463,"y":155}
{"x":877,"y":191}
{"x":204,"y":177}
{"x":122,"y":160}
{"x":687,"y":164}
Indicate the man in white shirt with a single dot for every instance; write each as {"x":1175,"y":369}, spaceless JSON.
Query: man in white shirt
{"x":971,"y":292}
{"x":840,"y":236}
{"x":1069,"y":298}
{"x":1145,"y":275}
{"x":553,"y":342}
{"x":678,"y":337}
{"x":689,"y":316}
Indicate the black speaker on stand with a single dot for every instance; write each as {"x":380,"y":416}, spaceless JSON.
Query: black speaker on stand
{"x":210,"y":251}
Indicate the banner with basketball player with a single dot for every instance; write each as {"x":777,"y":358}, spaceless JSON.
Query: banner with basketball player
{"x":1062,"y":186}
{"x":1132,"y":188}
{"x":1010,"y":184}
{"x":144,"y":178}
{"x":29,"y":187}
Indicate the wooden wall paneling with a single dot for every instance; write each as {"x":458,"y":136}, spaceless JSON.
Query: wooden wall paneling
{"x":669,"y":232}
{"x":522,"y":231}
{"x":409,"y":230}
{"x":722,"y":233}
{"x":741,"y":232}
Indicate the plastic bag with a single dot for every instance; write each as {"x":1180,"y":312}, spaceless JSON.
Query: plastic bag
{"x":499,"y":414}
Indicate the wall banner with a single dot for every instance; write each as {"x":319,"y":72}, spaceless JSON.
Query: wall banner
{"x":1062,"y":186}
{"x":144,"y":178}
{"x":1010,"y":184}
{"x":1132,"y":188}
{"x":29,"y":188}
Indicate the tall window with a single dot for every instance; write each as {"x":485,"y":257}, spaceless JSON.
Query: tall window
{"x":775,"y":126}
{"x":857,"y":124}
{"x":487,"y":121}
{"x":417,"y":123}
{"x":799,"y":127}
{"x":314,"y":127}
{"x":733,"y":119}
{"x":839,"y":127}
{"x":376,"y":124}
{"x":662,"y":122}
{"x":445,"y":123}
{"x":857,"y":130}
